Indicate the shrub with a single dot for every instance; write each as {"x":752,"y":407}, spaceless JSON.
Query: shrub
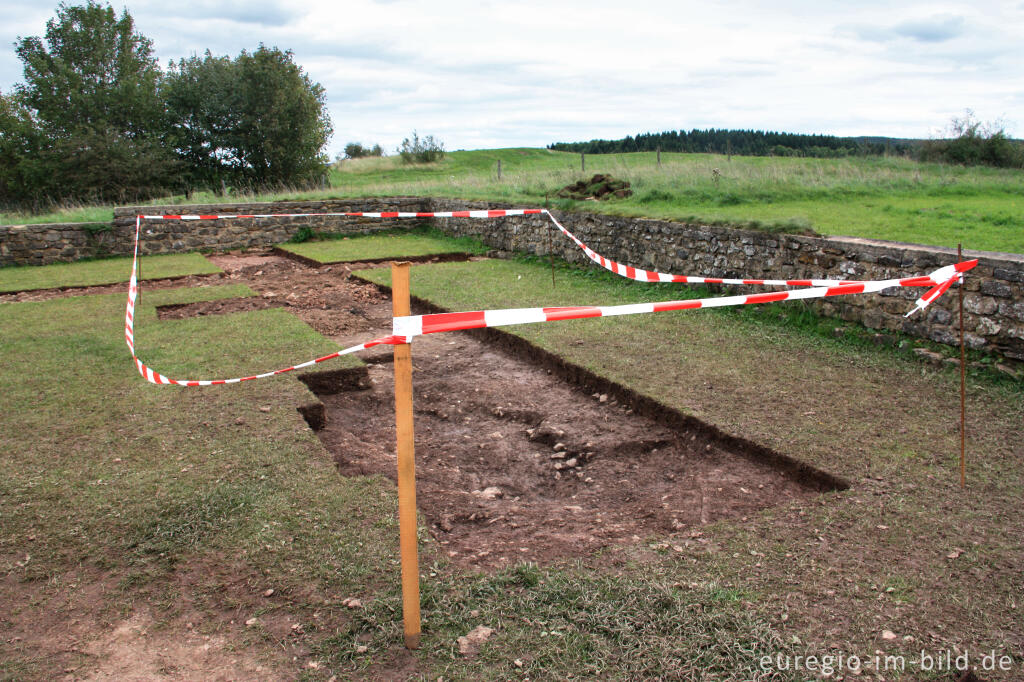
{"x":426,"y":150}
{"x":973,"y":143}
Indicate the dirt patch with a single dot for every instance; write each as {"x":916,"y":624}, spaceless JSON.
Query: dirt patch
{"x":322,"y":296}
{"x":224,"y":306}
{"x":375,"y":262}
{"x":514,"y":462}
{"x":599,"y":187}
{"x":122,"y":287}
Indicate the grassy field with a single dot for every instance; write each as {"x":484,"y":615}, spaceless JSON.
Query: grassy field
{"x":835,"y":573}
{"x":213,"y":521}
{"x":406,"y":243}
{"x":106,"y":271}
{"x":881,"y":198}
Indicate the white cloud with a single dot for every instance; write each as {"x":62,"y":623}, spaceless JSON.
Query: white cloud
{"x":525,"y":72}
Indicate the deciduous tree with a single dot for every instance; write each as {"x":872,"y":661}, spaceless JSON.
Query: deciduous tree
{"x":91,"y":85}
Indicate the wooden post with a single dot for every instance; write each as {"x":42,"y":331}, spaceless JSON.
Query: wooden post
{"x":583,"y":162}
{"x":499,"y":169}
{"x":406,"y":464}
{"x":659,"y":157}
{"x":963,"y":381}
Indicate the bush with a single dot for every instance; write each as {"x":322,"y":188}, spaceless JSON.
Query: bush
{"x":973,"y":143}
{"x":355,"y":150}
{"x":426,"y":150}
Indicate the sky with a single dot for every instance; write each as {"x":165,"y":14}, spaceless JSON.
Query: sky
{"x":480,"y":74}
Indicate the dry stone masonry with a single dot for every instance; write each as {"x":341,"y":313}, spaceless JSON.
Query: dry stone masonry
{"x":993,"y":300}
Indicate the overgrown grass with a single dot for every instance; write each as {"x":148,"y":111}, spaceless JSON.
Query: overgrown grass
{"x":874,"y":197}
{"x":104,"y":271}
{"x":399,"y":242}
{"x":881,"y":198}
{"x":72,"y":213}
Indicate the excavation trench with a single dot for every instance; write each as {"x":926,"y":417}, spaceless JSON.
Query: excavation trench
{"x":520,"y":456}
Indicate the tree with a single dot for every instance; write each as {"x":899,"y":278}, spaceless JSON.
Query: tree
{"x":202,"y":110}
{"x":92,"y":90}
{"x":20,"y":139}
{"x":284,"y":124}
{"x":356,"y":150}
{"x":255,"y":121}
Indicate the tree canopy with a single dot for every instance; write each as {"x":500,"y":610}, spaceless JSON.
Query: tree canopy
{"x":97,"y":119}
{"x":90,"y":87}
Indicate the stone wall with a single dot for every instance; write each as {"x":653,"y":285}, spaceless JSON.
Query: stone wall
{"x":50,"y":243}
{"x":993,"y":301}
{"x":66,"y":242}
{"x":993,"y":295}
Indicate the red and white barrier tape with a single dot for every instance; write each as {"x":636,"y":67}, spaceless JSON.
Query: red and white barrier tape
{"x":408,"y":327}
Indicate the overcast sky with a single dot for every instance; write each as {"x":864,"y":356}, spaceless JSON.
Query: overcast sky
{"x":479,"y":74}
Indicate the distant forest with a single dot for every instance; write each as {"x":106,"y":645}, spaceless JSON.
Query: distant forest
{"x":745,"y":143}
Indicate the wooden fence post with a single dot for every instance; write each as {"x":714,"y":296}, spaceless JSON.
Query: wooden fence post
{"x":406,"y":464}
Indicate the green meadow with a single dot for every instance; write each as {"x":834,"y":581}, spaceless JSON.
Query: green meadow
{"x":874,"y":197}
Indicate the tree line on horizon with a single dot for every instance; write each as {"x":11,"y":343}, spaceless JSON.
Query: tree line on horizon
{"x":96,"y":119}
{"x":967,"y":142}
{"x":741,"y":143}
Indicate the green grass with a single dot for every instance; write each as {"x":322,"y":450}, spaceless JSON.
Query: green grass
{"x":66,"y":214}
{"x":194,"y":501}
{"x":880,"y":198}
{"x":884,"y":422}
{"x":105,"y":271}
{"x":108,"y":481}
{"x":407,"y":243}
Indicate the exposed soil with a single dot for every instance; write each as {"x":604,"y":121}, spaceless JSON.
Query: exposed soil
{"x":122,"y":287}
{"x":598,"y":187}
{"x":513,"y":463}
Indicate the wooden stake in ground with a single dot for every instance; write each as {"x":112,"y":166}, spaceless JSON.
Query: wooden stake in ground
{"x":963,"y":381}
{"x":406,"y":464}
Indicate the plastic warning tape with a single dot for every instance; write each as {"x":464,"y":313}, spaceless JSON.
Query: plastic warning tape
{"x":406,"y":328}
{"x":628,"y":271}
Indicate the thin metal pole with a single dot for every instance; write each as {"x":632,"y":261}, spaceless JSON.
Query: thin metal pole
{"x":963,"y":381}
{"x":551,"y":256}
{"x":406,"y":464}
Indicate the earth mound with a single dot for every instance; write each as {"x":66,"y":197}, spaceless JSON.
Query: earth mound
{"x":600,"y":187}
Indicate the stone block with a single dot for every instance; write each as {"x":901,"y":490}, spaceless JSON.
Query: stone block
{"x":996,"y":288}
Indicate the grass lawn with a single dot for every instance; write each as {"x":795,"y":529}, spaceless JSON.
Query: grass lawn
{"x":407,"y":243}
{"x":881,"y":198}
{"x":168,"y":511}
{"x":903,"y":550}
{"x":105,"y":271}
{"x":127,"y":507}
{"x":185,"y":501}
